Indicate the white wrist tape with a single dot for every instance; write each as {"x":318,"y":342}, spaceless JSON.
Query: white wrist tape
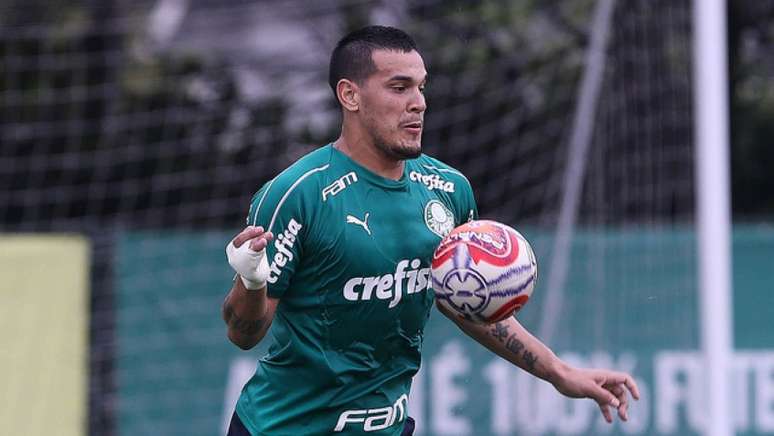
{"x":251,"y":265}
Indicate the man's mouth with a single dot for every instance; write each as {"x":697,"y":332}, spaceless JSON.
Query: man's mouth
{"x":414,"y":127}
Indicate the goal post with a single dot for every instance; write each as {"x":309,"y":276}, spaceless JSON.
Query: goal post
{"x":713,"y":215}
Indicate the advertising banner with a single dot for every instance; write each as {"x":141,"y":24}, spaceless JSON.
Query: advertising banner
{"x":630,"y":303}
{"x":43,"y":334}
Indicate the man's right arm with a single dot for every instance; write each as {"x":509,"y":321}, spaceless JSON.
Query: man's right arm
{"x":248,"y":314}
{"x":247,"y":310}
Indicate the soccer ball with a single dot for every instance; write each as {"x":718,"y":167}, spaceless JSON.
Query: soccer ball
{"x":483,"y":270}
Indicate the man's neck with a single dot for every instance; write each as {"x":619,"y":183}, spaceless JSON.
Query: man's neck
{"x":369,"y":156}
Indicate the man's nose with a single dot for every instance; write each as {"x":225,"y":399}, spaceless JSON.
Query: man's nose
{"x":417,"y":103}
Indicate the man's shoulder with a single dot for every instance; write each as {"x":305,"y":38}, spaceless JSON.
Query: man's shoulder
{"x":299,"y":182}
{"x":304,"y":174}
{"x":306,"y":167}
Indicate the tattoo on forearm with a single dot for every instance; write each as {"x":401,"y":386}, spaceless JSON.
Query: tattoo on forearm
{"x":244,"y":326}
{"x":514,"y":345}
{"x":529,"y":360}
{"x":500,"y":332}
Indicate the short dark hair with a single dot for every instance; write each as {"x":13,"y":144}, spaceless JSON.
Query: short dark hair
{"x":351,"y":59}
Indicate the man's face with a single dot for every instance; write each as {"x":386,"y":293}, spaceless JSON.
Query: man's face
{"x":393,"y":103}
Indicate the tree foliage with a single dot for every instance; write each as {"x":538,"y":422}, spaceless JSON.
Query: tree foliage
{"x":751,"y":41}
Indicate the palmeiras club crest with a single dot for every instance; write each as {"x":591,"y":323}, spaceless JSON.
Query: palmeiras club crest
{"x":438,"y":218}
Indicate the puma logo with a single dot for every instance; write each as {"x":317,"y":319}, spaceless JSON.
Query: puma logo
{"x":355,"y":220}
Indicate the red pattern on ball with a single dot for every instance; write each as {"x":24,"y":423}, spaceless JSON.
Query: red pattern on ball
{"x":487,"y":241}
{"x":510,"y":308}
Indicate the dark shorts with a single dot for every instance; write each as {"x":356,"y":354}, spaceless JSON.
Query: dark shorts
{"x":236,"y":428}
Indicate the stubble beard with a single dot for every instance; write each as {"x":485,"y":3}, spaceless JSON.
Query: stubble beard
{"x":397,"y":150}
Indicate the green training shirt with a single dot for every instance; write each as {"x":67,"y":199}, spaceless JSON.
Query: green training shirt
{"x":350,"y":263}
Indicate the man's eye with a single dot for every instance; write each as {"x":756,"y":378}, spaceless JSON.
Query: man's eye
{"x":422,"y":89}
{"x":399,"y":88}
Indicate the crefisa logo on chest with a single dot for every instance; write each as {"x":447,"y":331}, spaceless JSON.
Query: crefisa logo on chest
{"x":432,"y":181}
{"x":408,"y":278}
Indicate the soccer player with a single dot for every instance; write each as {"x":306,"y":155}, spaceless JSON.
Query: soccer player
{"x":336,"y":257}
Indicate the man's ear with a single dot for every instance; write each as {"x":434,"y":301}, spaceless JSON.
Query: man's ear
{"x":349,"y":95}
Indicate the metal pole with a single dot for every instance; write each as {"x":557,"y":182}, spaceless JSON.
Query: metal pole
{"x":577,"y":150}
{"x":713,"y":208}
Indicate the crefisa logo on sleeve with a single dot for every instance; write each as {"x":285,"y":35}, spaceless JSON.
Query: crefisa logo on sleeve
{"x":284,"y":243}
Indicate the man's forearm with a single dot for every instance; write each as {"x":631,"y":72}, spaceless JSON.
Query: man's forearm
{"x":246,"y":315}
{"x":511,"y":341}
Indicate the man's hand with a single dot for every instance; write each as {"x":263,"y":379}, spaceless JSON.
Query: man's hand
{"x":607,"y":388}
{"x":247,"y":256}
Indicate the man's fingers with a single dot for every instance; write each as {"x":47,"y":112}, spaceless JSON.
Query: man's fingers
{"x":613,"y":393}
{"x":248,"y":233}
{"x":258,"y":244}
{"x":632,"y":386}
{"x":622,"y":378}
{"x":604,"y":397}
{"x":623,"y":412}
{"x":620,"y":392}
{"x":606,"y":412}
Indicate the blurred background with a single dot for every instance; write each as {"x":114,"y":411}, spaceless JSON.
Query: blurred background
{"x":134,"y":133}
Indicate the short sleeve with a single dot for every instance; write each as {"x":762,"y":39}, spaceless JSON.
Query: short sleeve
{"x":464,"y":200}
{"x":278,"y":208}
{"x":469,"y":207}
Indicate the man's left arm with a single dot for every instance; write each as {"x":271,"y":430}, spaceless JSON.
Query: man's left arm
{"x":511,"y":341}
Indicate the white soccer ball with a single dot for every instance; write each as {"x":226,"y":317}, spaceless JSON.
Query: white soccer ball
{"x":483,"y":270}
